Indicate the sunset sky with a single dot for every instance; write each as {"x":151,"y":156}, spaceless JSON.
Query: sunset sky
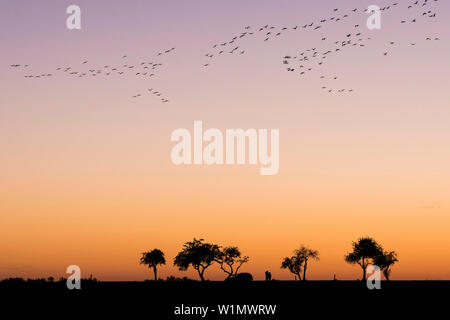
{"x":86,"y":176}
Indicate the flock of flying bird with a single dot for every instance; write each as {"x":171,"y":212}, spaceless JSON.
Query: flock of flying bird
{"x":142,"y":69}
{"x":313,"y":58}
{"x":304,"y":62}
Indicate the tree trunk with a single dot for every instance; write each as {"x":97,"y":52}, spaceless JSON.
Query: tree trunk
{"x":154,"y":271}
{"x":364,"y":272}
{"x":304,"y":270}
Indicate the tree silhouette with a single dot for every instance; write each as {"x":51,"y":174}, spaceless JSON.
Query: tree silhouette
{"x":365,"y":251}
{"x":306,"y":253}
{"x":293,"y":264}
{"x":152,"y":259}
{"x":385,"y":260}
{"x":231,"y":260}
{"x":198,"y":254}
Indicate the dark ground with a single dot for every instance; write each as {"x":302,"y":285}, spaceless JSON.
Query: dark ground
{"x":294,"y":300}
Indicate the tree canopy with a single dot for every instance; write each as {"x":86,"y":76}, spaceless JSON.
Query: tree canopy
{"x":299,"y":261}
{"x":365,"y":251}
{"x":306,"y":254}
{"x":152,"y":259}
{"x":293,"y":264}
{"x":198,"y":254}
{"x":385,"y":260}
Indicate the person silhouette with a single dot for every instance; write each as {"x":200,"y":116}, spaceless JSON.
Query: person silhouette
{"x":270,"y":275}
{"x":267,"y":275}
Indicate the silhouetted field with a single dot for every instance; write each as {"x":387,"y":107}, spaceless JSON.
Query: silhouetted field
{"x":158,"y":300}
